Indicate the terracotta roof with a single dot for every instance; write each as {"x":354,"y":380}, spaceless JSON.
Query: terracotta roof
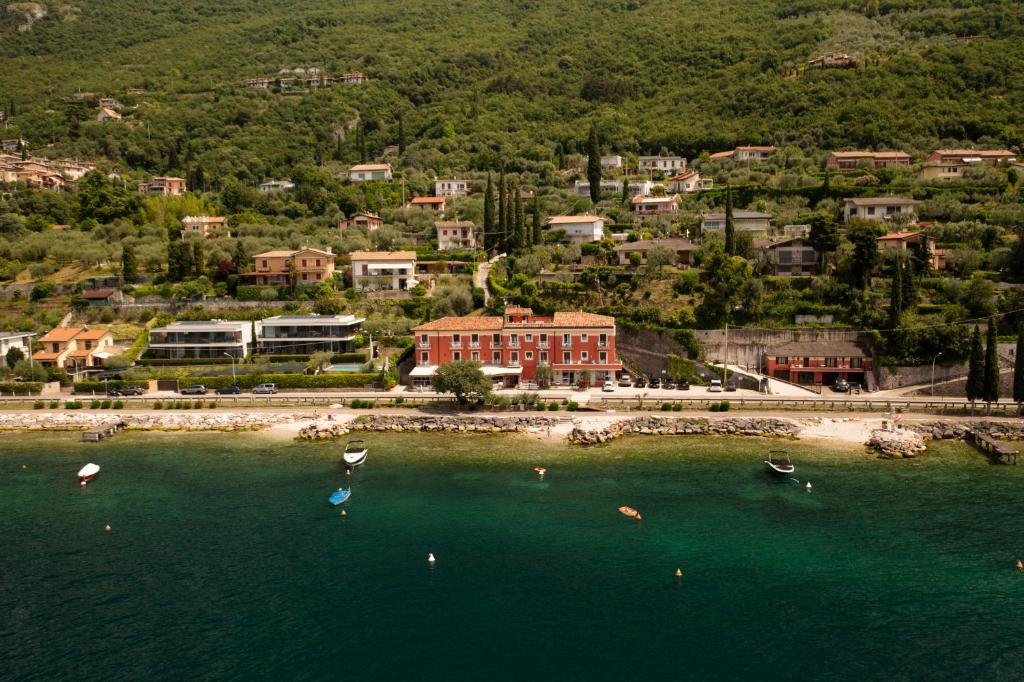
{"x":723,"y":155}
{"x":898,"y":236}
{"x":740,"y":215}
{"x":518,"y":310}
{"x":274,"y":254}
{"x":81,"y":353}
{"x":685,"y":175}
{"x":383,"y":255}
{"x":578,"y":319}
{"x":61,"y":334}
{"x":983,"y":153}
{"x":97,"y":294}
{"x":309,"y":249}
{"x":370,"y":167}
{"x":567,"y":219}
{"x":454,"y":223}
{"x":880,"y":201}
{"x":819,"y":349}
{"x":93,"y":334}
{"x":647,"y":244}
{"x":871,"y":155}
{"x":655,"y":200}
{"x":427,"y":200}
{"x":458,"y":324}
{"x":755,"y":149}
{"x":43,"y":355}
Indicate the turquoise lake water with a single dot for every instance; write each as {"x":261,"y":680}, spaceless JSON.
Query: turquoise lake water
{"x":225,"y":562}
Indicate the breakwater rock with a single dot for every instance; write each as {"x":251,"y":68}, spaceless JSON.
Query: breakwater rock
{"x":900,"y":444}
{"x":956,"y":430}
{"x":386,"y":422}
{"x":157,"y":421}
{"x":663,"y":426}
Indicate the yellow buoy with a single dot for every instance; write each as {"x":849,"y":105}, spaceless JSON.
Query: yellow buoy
{"x":679,"y":573}
{"x":344,"y":513}
{"x":107,"y":528}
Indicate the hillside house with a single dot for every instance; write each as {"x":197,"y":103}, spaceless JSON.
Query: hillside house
{"x":369,"y":172}
{"x":683,"y":248}
{"x":306,"y":266}
{"x":370,"y":221}
{"x":754,"y":222}
{"x":845,"y":161}
{"x":669,"y":165}
{"x":13,"y":145}
{"x":809,"y":363}
{"x":878,"y":208}
{"x":688,"y":181}
{"x":611,"y":161}
{"x":274,"y":186}
{"x":74,"y":349}
{"x":579,"y":229}
{"x":106,"y":296}
{"x":20,"y":340}
{"x":106,"y":114}
{"x":833,"y":60}
{"x":614,"y":188}
{"x":308,"y":334}
{"x":164,"y":187}
{"x":383,"y":270}
{"x":918,"y":242}
{"x":455,"y":235}
{"x":748,"y":153}
{"x":644,"y":206}
{"x":428,"y":203}
{"x":794,"y":257}
{"x":352,"y":78}
{"x":992,"y":157}
{"x":205,"y":226}
{"x":451,"y":188}
{"x":195,"y":339}
{"x":511,"y":348}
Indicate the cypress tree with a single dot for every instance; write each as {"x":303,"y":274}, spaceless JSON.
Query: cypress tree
{"x":522,"y":236}
{"x":239,"y":259}
{"x":625,"y":191}
{"x":198,"y":258}
{"x":730,"y":228}
{"x":594,"y":164}
{"x":537,"y":235}
{"x":909,"y":286}
{"x":896,"y":296}
{"x":129,"y":264}
{"x":488,"y":240}
{"x":1018,"y":370}
{"x":502,"y":210}
{"x":990,"y":393}
{"x":976,"y":368}
{"x":401,"y":135}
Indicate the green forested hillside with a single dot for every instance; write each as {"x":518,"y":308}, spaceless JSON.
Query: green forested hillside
{"x":475,"y":83}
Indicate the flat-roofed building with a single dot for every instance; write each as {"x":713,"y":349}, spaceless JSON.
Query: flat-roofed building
{"x":306,"y":334}
{"x":194,"y":339}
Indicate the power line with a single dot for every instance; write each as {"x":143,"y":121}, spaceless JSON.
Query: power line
{"x":967,"y":322}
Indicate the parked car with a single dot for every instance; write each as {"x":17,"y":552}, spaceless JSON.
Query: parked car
{"x":715,"y":386}
{"x":625,"y":382}
{"x":731,"y":385}
{"x":608,"y":387}
{"x":194,"y":389}
{"x":125,"y":391}
{"x":841,"y":386}
{"x":683,"y":385}
{"x":669,"y":385}
{"x":655,"y":382}
{"x":265,"y":389}
{"x":229,"y":390}
{"x":641,"y":382}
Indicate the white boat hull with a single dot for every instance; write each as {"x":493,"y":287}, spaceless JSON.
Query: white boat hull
{"x":354,"y":459}
{"x":88,"y":472}
{"x":783,"y":470}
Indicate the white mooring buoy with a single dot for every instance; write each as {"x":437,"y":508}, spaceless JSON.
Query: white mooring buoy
{"x":431,"y":559}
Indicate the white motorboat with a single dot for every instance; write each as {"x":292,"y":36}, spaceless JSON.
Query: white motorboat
{"x":88,"y":472}
{"x":778,"y":462}
{"x":355,"y":453}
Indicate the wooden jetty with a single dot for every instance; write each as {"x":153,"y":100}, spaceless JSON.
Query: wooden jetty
{"x":102,"y":431}
{"x":1000,"y":452}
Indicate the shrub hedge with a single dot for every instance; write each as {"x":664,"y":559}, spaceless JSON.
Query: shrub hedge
{"x":300,"y":381}
{"x":21,"y":387}
{"x":103,"y":387}
{"x":183,"y":362}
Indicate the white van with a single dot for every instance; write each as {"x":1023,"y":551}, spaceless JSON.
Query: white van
{"x":715,"y":386}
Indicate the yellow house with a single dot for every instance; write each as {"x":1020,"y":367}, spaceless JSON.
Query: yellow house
{"x":74,"y":348}
{"x":285,"y":268}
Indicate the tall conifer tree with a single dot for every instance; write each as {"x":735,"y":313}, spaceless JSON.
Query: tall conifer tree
{"x":489,"y":225}
{"x":537,"y":235}
{"x":976,"y":368}
{"x":1018,"y":370}
{"x":594,"y":164}
{"x":730,"y":228}
{"x":991,"y":391}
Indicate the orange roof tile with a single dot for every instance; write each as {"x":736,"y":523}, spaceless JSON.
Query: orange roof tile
{"x":382,"y":255}
{"x":580,"y":319}
{"x":461,"y":324}
{"x":43,"y":355}
{"x":93,"y":334}
{"x":61,"y":334}
{"x":427,"y":200}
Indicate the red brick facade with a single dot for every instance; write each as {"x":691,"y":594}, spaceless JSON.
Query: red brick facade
{"x":818,"y":363}
{"x":514,"y":346}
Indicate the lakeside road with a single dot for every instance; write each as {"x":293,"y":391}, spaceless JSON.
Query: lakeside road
{"x":286,"y":422}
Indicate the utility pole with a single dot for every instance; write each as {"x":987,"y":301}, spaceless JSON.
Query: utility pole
{"x":933,"y":371}
{"x":234,"y":382}
{"x":725,"y":365}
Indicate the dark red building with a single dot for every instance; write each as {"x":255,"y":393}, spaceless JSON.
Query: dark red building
{"x":818,"y":362}
{"x":512,"y":347}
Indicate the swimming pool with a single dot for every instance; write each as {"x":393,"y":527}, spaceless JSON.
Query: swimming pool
{"x":346,"y":367}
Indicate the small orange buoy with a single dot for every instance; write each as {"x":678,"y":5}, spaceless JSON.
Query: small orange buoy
{"x":344,"y":513}
{"x":630,"y":512}
{"x":540,"y":470}
{"x":679,"y":573}
{"x":1020,"y":565}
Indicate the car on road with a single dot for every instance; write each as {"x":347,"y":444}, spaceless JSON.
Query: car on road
{"x":608,"y":387}
{"x":625,"y":382}
{"x":126,"y":391}
{"x":655,"y":382}
{"x":715,"y":386}
{"x":683,"y":385}
{"x":669,"y":385}
{"x":841,"y":386}
{"x":641,"y":382}
{"x":194,"y":389}
{"x":229,"y":390}
{"x":265,"y":389}
{"x":731,"y":385}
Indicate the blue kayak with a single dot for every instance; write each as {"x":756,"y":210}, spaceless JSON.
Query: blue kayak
{"x":339,"y":496}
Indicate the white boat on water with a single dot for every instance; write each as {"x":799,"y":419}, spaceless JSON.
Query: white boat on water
{"x":355,"y":453}
{"x":778,"y":462}
{"x":88,"y":472}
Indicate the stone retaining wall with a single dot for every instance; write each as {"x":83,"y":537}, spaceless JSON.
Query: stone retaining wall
{"x":80,"y":421}
{"x":385,"y":422}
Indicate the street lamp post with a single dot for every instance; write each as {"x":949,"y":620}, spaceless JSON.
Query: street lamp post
{"x":234,"y":381}
{"x":933,"y":371}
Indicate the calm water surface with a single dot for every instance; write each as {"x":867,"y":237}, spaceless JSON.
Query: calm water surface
{"x":225,"y":562}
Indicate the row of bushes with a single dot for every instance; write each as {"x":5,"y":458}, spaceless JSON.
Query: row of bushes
{"x":106,"y":405}
{"x":94,"y":386}
{"x":20,"y":387}
{"x":185,"y":362}
{"x":183,"y":405}
{"x":300,"y":381}
{"x":358,"y":356}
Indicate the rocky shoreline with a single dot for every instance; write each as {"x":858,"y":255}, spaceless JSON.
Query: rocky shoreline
{"x":157,"y":421}
{"x":909,"y":440}
{"x":413,"y":423}
{"x":690,"y":426}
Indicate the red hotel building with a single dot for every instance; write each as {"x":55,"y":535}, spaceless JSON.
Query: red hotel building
{"x":512,"y":347}
{"x":818,"y":362}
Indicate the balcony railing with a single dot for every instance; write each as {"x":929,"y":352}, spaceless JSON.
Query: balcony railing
{"x":474,"y":344}
{"x":456,"y":345}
